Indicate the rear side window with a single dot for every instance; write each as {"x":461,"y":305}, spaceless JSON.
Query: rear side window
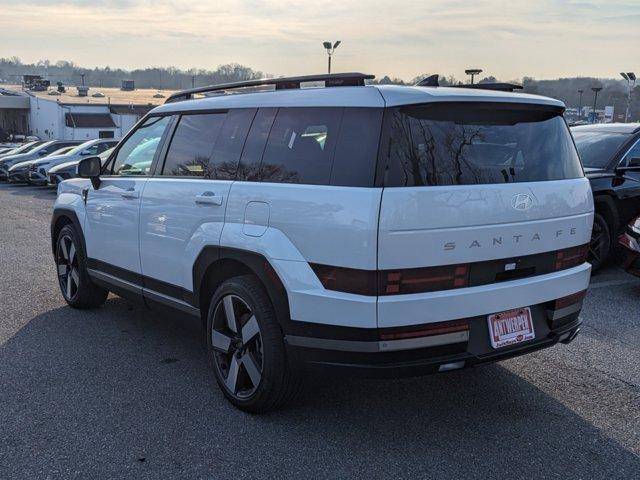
{"x":354,"y":164}
{"x":476,"y":143}
{"x":301,"y":146}
{"x":192,"y":144}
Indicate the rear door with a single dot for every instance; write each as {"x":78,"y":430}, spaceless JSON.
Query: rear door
{"x":111,"y":225}
{"x":469,"y":182}
{"x":183,"y":205}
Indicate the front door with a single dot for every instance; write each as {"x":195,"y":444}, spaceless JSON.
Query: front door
{"x":113,"y":210}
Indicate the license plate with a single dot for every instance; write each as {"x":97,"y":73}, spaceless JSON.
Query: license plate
{"x":510,"y":327}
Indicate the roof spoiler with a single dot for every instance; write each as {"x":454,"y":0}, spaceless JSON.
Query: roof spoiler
{"x":432,"y":81}
{"x":353,"y":79}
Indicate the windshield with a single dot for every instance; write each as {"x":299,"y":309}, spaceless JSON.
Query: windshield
{"x":80,"y":148}
{"x":597,"y":149}
{"x":474,"y":143}
{"x":27,"y":147}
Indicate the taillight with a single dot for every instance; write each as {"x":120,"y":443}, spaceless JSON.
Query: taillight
{"x":350,"y":280}
{"x":392,"y":282}
{"x":569,"y":300}
{"x":571,"y":257}
{"x":419,"y":280}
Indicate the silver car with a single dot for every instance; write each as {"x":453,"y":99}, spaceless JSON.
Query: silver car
{"x":44,"y":149}
{"x":39,"y":169}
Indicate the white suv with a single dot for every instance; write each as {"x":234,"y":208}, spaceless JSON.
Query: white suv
{"x":376,"y":229}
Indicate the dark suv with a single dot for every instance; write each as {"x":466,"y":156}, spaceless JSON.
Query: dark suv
{"x":610,"y":154}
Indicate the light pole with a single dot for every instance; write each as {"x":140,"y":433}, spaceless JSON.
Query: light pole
{"x":629,"y":77}
{"x":580,"y":104}
{"x":330,"y":49}
{"x":473,"y":72}
{"x":595,"y":100}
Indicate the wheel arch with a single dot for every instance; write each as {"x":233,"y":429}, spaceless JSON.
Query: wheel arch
{"x":62,"y":217}
{"x":214,"y":265}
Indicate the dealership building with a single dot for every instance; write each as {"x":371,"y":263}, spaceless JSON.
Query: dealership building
{"x":77,"y":114}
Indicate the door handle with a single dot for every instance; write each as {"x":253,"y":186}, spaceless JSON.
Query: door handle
{"x":130,"y":194}
{"x":208,"y":198}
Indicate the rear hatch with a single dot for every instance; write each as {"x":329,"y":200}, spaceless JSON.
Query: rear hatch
{"x":496,"y":187}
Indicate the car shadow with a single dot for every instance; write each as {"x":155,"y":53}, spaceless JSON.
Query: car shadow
{"x":122,"y":389}
{"x":23,"y":189}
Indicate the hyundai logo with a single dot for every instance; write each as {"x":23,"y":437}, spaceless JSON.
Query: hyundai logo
{"x":521,"y":201}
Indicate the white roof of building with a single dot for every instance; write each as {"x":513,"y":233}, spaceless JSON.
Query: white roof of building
{"x":367,"y":96}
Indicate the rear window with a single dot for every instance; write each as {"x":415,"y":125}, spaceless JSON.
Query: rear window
{"x":597,"y":149}
{"x":474,"y":143}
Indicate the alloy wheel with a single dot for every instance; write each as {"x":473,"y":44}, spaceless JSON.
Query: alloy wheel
{"x":598,"y":242}
{"x":67,"y":264}
{"x":237,"y":346}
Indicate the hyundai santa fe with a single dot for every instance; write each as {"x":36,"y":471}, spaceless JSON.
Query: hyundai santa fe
{"x":381,"y":230}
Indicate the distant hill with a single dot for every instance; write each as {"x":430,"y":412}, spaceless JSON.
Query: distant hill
{"x":614,"y":91}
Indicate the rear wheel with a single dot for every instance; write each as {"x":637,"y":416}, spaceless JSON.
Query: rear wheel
{"x":246,"y":347}
{"x":600,"y":245}
{"x":71,"y":265}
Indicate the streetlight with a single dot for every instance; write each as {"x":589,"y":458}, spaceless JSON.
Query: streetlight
{"x":629,"y":77}
{"x":595,"y":99}
{"x":330,"y":49}
{"x":473,"y":72}
{"x":580,"y":104}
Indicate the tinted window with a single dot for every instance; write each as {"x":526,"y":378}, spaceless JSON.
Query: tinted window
{"x":136,"y":154}
{"x":354,"y":164}
{"x":208,"y":145}
{"x":301,"y":146}
{"x":597,"y":149}
{"x":473,"y":143}
{"x":191,"y":146}
{"x":249,"y":167}
{"x":634,"y":152}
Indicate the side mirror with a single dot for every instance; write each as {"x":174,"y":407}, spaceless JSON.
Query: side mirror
{"x":90,"y":168}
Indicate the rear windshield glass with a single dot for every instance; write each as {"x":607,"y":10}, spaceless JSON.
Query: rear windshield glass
{"x":473,"y":143}
{"x":597,"y":149}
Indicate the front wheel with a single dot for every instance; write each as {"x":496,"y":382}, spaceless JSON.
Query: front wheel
{"x":71,"y":264}
{"x":246,"y":347}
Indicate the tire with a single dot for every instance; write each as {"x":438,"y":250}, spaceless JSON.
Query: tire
{"x":247,"y":353}
{"x":71,"y":267}
{"x":600,"y":245}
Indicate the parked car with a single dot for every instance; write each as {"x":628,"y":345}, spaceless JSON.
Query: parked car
{"x":16,"y":166}
{"x":610,"y":154}
{"x":68,"y":170}
{"x":39,"y":169}
{"x":24,"y":148}
{"x":630,"y":241}
{"x":383,"y":229}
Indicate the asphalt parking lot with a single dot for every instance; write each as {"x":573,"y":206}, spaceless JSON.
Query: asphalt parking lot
{"x":124,"y":392}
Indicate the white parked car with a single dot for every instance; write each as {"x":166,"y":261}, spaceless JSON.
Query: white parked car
{"x":383,"y":229}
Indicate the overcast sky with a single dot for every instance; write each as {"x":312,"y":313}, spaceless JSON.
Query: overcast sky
{"x":508,"y":39}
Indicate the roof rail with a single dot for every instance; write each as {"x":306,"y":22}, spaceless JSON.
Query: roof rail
{"x":432,"y":81}
{"x":500,"y":86}
{"x":353,"y":79}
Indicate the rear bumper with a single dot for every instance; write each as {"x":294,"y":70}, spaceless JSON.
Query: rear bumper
{"x":376,"y":358}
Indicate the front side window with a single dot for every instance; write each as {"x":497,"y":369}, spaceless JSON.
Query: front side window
{"x":634,"y":152}
{"x":301,"y":146}
{"x":597,"y":149}
{"x":475,"y":143}
{"x":136,"y":154}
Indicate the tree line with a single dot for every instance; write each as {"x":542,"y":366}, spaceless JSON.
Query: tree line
{"x":614,"y":91}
